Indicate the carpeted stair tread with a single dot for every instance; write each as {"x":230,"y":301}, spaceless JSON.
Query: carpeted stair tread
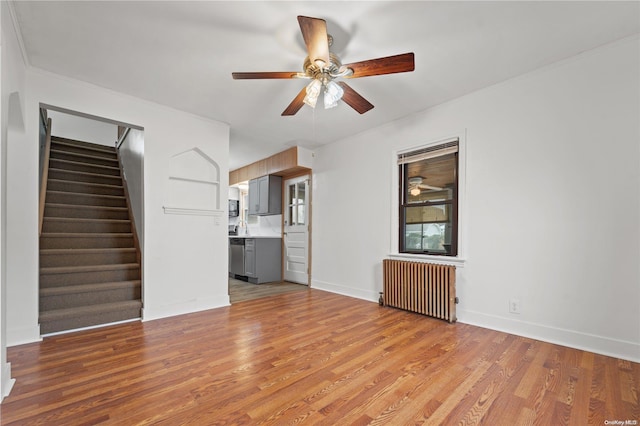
{"x":84,"y":235}
{"x":95,"y":168}
{"x":80,"y":176}
{"x":64,"y":240}
{"x":65,"y":197}
{"x":87,"y":316}
{"x":97,"y":196}
{"x":88,"y":220}
{"x":86,"y":288}
{"x":93,"y":250}
{"x":84,"y":185}
{"x":83,"y":158}
{"x":84,"y":211}
{"x":76,"y":142}
{"x":89,"y":310}
{"x":55,"y":257}
{"x":97,"y":185}
{"x":86,"y":226}
{"x":90,"y":268}
{"x":74,"y":296}
{"x":64,"y":145}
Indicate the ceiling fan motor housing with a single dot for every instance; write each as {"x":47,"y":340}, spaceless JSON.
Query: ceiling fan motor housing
{"x":326,"y":73}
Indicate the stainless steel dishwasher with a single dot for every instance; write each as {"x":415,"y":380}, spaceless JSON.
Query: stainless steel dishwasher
{"x":236,"y":256}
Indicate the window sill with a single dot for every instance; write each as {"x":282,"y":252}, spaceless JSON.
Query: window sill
{"x":439,"y":260}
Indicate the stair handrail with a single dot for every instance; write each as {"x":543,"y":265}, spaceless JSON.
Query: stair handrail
{"x":122,"y":137}
{"x":127,"y":197}
{"x":45,"y":176}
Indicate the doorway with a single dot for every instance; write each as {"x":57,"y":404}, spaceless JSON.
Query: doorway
{"x":296,"y":230}
{"x":90,"y":221}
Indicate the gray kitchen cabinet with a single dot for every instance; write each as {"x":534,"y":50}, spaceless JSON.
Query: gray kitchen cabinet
{"x":265,"y":196}
{"x":263,"y":260}
{"x":250,"y":257}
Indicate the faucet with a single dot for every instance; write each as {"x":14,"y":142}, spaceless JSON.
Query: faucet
{"x":242,"y":224}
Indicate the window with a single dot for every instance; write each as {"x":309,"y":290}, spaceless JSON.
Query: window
{"x":429,"y":200}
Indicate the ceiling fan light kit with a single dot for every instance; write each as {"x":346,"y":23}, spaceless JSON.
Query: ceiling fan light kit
{"x":323,"y":66}
{"x":332,"y":94}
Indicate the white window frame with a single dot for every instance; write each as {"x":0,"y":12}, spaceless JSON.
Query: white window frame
{"x":394,"y":252}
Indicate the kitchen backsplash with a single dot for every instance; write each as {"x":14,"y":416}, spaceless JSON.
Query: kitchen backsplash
{"x":264,"y":226}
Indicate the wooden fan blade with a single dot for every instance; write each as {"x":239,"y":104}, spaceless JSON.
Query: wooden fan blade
{"x":354,"y":100}
{"x":314,"y":32}
{"x":388,"y":65}
{"x":260,"y":75}
{"x":296,"y":104}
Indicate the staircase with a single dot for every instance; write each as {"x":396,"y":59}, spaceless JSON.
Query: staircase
{"x":89,"y":263}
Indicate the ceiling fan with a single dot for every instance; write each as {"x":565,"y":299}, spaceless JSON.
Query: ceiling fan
{"x":322,"y":67}
{"x":415,"y":185}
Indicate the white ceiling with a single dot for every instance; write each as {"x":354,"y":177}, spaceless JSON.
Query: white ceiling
{"x":182,"y":54}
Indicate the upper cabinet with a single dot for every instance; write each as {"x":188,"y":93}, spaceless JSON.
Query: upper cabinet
{"x":292,"y":162}
{"x":265,"y":196}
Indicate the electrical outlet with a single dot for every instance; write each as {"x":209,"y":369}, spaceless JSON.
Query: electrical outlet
{"x":514,"y":306}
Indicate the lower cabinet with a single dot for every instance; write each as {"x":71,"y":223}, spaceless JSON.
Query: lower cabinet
{"x":263,"y":259}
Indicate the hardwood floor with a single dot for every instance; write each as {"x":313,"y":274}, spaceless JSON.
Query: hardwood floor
{"x":316,"y":358}
{"x":240,"y":291}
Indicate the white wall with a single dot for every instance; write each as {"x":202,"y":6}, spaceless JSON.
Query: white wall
{"x":132,"y":157}
{"x":552,"y":202}
{"x":185,"y":266}
{"x":83,"y":129}
{"x":12,"y":113}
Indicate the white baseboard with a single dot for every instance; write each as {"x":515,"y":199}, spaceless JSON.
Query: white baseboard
{"x":23,"y":335}
{"x":91,"y":327}
{"x":574,"y":339}
{"x":571,"y":338}
{"x":370,"y":296}
{"x":7,"y":381}
{"x":150,"y":313}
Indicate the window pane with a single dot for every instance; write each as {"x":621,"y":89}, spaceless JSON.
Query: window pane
{"x":428,"y":201}
{"x":433,"y":237}
{"x":428,"y":228}
{"x":430,"y":180}
{"x":413,"y":237}
{"x":301,"y":193}
{"x":301,"y":217}
{"x":428,"y":214}
{"x":292,"y":217}
{"x":292,"y":194}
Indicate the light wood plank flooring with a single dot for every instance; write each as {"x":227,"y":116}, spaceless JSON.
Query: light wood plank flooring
{"x":240,"y":291}
{"x":315,"y":358}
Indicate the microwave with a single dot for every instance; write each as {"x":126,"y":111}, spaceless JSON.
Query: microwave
{"x":234,"y":208}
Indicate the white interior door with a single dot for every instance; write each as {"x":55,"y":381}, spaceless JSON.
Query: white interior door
{"x":296,"y":230}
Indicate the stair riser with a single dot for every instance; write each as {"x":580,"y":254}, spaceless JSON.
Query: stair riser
{"x":80,"y":177}
{"x":74,"y":278}
{"x":86,"y":159}
{"x":82,"y":167}
{"x":85,"y":242}
{"x":84,"y":188}
{"x":86,"y":213}
{"x":89,"y":298}
{"x":85,"y":200}
{"x":82,"y":150}
{"x":70,"y":226}
{"x":85,"y":259}
{"x":71,"y":323}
